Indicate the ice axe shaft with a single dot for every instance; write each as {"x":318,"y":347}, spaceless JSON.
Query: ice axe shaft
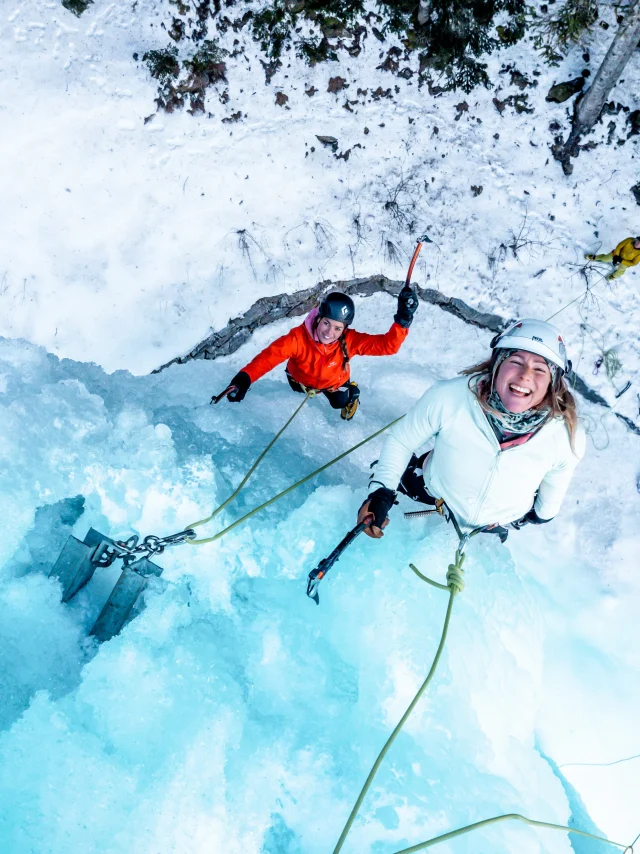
{"x":218,"y":397}
{"x":316,"y":575}
{"x":422,"y":239}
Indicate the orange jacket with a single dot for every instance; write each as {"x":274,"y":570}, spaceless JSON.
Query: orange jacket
{"x":317,"y":365}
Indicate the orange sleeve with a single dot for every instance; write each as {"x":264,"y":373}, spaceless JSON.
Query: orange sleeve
{"x":362,"y":344}
{"x":280,"y":350}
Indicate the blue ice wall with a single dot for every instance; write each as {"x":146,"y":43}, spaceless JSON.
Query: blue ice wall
{"x":232,"y":714}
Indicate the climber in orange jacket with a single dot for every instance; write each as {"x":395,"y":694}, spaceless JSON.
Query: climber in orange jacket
{"x":320,"y":349}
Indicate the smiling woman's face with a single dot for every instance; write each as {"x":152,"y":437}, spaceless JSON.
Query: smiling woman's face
{"x":328,"y":330}
{"x":522,"y":381}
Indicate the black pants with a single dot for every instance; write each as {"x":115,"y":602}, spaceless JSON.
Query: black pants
{"x":412,"y":485}
{"x":338,"y":399}
{"x":412,"y":481}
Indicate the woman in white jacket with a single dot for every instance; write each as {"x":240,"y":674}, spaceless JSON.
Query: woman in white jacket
{"x":506,"y":439}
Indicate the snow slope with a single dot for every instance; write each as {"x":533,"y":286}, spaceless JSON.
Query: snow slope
{"x":231,"y":714}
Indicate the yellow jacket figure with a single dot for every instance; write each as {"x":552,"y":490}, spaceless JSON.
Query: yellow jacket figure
{"x":626,"y":254}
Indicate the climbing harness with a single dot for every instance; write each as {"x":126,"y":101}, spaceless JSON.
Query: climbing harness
{"x":454,"y":584}
{"x":316,"y":575}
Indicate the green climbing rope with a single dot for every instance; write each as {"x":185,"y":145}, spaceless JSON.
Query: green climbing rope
{"x":280,"y":495}
{"x":455,"y":584}
{"x":244,"y":480}
{"x":628,"y":849}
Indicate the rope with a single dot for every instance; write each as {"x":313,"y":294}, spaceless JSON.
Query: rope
{"x":454,"y":584}
{"x":252,"y":469}
{"x":586,"y":291}
{"x":628,"y":849}
{"x":428,"y":580}
{"x":598,"y":764}
{"x":284,"y":491}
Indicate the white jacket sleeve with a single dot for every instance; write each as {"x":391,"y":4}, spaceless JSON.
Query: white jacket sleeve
{"x":556,"y":482}
{"x":421,"y":423}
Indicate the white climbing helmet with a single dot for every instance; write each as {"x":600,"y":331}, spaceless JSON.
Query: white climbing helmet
{"x":534,"y":336}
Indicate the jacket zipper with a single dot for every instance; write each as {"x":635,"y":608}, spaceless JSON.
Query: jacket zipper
{"x":494,"y":468}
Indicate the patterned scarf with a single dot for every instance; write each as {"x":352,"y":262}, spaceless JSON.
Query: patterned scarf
{"x":509,"y":423}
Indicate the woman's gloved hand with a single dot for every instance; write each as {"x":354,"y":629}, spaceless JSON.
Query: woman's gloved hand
{"x":530,"y":518}
{"x":241,"y":382}
{"x":375,"y":511}
{"x":407,"y":305}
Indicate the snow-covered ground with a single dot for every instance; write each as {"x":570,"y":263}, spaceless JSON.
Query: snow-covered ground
{"x":232,"y":715}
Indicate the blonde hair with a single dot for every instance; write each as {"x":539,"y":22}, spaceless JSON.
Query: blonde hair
{"x":559,"y":400}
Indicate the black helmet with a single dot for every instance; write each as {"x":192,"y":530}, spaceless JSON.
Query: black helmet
{"x":338,"y":307}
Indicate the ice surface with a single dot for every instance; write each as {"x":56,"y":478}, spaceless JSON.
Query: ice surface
{"x":234,"y":715}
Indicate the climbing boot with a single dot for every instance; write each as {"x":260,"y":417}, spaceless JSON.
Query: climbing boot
{"x":351,"y":408}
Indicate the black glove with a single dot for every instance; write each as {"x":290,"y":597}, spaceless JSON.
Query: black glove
{"x":530,"y":518}
{"x":380,"y":502}
{"x":407,"y":305}
{"x":617,"y":259}
{"x":241,"y":382}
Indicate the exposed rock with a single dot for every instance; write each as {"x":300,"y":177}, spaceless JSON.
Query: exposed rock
{"x":354,"y":49}
{"x":381,"y":93}
{"x":336,"y":84}
{"x":281,"y":99}
{"x":517,"y":78}
{"x":333,"y":28}
{"x":476,"y":190}
{"x":270,"y":309}
{"x":561,"y":92}
{"x":636,"y":192}
{"x":234,"y":117}
{"x":330,"y":141}
{"x":520,"y":103}
{"x":77,"y":6}
{"x":462,"y":107}
{"x":391,"y":62}
{"x":344,"y":155}
{"x":311,"y":91}
{"x":633,"y":120}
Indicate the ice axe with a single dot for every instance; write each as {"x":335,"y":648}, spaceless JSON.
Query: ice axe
{"x":424,"y":238}
{"x":218,"y":397}
{"x":316,"y":575}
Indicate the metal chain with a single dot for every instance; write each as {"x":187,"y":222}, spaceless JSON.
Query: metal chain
{"x":131,"y":549}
